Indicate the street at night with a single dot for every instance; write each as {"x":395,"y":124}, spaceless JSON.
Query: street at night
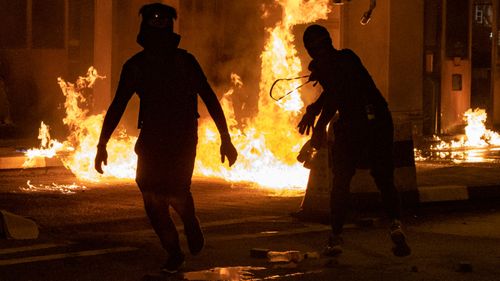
{"x":102,"y":233}
{"x":319,"y":140}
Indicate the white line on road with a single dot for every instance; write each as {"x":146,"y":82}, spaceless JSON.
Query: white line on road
{"x":30,"y":248}
{"x":66,"y":255}
{"x":208,"y":224}
{"x":236,"y":221}
{"x":309,"y":229}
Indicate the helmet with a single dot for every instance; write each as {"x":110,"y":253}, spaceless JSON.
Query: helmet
{"x":158,"y":15}
{"x":157,"y":26}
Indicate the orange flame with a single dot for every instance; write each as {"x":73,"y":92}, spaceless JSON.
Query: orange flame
{"x":267,"y":148}
{"x":269,"y":145}
{"x":78,"y":151}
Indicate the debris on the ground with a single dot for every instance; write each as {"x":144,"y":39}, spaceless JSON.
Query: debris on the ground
{"x":259,"y":253}
{"x":365,"y":222}
{"x":285,"y":256}
{"x":331,"y":263}
{"x":464,"y":266}
{"x":17,"y":227}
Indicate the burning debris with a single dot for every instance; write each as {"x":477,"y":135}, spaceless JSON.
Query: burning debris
{"x":62,"y":188}
{"x":470,"y":147}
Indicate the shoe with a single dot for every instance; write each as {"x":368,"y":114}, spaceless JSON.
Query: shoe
{"x":334,"y":246}
{"x":398,"y":237}
{"x":173,"y":263}
{"x":195,"y":238}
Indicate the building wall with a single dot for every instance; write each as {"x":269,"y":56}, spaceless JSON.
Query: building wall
{"x":405,"y":56}
{"x":496,"y":63}
{"x":454,"y":102}
{"x":33,"y":65}
{"x":391,"y":47}
{"x":371,"y":41}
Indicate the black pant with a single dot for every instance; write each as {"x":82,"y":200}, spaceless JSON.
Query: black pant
{"x":368,"y":147}
{"x":157,"y":209}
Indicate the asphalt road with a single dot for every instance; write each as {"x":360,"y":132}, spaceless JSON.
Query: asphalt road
{"x":101,"y":233}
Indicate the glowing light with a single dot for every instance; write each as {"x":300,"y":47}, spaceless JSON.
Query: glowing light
{"x":267,"y":148}
{"x":270,"y":143}
{"x":77,"y":152}
{"x":62,"y":188}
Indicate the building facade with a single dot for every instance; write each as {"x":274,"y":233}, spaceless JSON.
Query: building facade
{"x":432,"y":59}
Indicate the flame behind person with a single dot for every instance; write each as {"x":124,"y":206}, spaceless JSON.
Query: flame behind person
{"x":167,"y":80}
{"x":363,"y":132}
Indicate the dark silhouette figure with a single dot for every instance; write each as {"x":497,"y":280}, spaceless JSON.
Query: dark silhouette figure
{"x":167,"y":80}
{"x":363,"y":131}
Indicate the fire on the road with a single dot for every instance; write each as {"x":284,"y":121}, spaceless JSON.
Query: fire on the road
{"x":267,"y":147}
{"x":469,"y":147}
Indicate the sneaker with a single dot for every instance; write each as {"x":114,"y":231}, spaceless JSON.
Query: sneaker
{"x":173,"y":263}
{"x":195,"y":238}
{"x":334,"y":246}
{"x":398,"y":237}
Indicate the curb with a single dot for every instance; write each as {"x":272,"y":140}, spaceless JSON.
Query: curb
{"x":13,"y":162}
{"x":432,"y":194}
{"x":429,"y":194}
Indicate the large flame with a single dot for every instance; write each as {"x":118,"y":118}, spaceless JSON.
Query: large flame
{"x":269,"y":145}
{"x":267,"y":148}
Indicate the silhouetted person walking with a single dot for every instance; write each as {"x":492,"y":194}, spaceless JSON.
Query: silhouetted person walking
{"x":363,"y":133}
{"x":167,"y":80}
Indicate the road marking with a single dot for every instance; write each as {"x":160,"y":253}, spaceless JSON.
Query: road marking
{"x":30,"y":248}
{"x":208,"y":224}
{"x":237,"y":221}
{"x":443,"y":193}
{"x":314,"y":228}
{"x":66,"y":255}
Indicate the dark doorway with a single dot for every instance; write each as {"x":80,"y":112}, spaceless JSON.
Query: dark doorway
{"x":432,"y":67}
{"x":482,"y":37}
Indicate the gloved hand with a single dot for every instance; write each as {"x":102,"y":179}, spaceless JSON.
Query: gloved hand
{"x":318,"y":138}
{"x":100,"y":158}
{"x":227,"y":150}
{"x":306,"y":124}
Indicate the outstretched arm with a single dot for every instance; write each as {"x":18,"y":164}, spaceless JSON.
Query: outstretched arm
{"x":227,"y":149}
{"x":214,"y":109}
{"x":113,"y":115}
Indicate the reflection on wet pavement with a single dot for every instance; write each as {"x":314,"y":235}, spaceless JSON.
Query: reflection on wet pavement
{"x":237,"y":273}
{"x":460,"y":155}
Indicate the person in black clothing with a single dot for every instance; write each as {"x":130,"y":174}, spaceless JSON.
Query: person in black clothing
{"x":363,"y":132}
{"x":167,"y":80}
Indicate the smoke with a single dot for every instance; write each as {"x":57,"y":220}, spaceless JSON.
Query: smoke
{"x":227,"y":37}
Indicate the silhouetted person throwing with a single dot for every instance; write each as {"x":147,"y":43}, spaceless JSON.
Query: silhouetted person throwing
{"x":363,"y":133}
{"x":167,"y":80}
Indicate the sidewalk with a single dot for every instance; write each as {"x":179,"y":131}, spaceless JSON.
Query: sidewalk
{"x":451,"y":182}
